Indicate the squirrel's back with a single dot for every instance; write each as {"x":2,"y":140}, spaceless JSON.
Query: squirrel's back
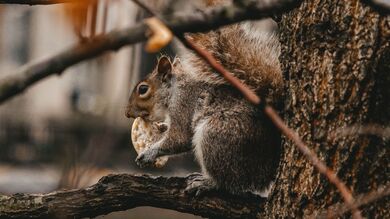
{"x":249,"y":54}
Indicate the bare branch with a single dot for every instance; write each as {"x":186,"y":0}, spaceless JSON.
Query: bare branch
{"x":121,"y":192}
{"x":18,"y":81}
{"x":197,"y":21}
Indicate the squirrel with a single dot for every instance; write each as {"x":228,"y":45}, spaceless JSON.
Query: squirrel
{"x":236,"y":145}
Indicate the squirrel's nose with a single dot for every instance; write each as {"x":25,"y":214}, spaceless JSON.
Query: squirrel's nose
{"x":127,"y":114}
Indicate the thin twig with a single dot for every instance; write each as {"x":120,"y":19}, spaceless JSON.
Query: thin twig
{"x":272,"y":114}
{"x":381,"y":6}
{"x":340,"y":209}
{"x":367,"y":129}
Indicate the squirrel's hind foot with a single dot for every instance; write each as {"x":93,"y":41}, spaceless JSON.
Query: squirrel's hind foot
{"x":199,"y":185}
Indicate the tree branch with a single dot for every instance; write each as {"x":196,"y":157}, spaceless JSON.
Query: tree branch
{"x":121,"y":192}
{"x":197,"y":21}
{"x":18,"y":81}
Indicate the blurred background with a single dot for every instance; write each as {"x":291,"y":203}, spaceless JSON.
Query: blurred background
{"x":69,"y":130}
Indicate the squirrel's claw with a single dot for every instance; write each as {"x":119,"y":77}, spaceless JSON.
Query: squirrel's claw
{"x":199,"y":186}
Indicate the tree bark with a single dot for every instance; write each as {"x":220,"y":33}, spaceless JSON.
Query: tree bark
{"x":336,"y":61}
{"x":121,"y":192}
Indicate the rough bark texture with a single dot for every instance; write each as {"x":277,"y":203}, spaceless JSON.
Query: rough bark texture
{"x":336,"y":59}
{"x":121,"y":192}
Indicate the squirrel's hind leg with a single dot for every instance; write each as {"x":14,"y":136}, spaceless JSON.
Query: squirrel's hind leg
{"x":200,"y":183}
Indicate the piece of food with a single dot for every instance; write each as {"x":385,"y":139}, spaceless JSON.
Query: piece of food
{"x":144,"y":134}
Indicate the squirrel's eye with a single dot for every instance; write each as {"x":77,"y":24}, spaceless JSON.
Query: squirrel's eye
{"x":142,"y":89}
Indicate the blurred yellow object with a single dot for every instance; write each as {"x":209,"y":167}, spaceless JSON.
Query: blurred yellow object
{"x":144,"y":134}
{"x":83,"y":15}
{"x":160,"y":36}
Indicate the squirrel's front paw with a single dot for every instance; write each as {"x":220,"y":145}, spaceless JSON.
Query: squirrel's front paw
{"x":146,"y":158}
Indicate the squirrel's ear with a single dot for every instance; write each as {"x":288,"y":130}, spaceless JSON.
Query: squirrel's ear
{"x":164,"y":67}
{"x":176,"y":61}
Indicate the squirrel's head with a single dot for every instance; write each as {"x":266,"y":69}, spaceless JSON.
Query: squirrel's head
{"x":149,"y":98}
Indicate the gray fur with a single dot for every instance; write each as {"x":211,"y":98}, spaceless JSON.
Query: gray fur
{"x":236,"y":145}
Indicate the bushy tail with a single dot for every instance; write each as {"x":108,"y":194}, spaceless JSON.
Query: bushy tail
{"x":249,"y":54}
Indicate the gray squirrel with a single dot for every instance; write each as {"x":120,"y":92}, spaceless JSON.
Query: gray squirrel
{"x":236,"y":145}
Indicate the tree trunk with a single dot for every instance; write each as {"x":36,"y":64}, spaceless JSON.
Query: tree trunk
{"x":336,"y":60}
